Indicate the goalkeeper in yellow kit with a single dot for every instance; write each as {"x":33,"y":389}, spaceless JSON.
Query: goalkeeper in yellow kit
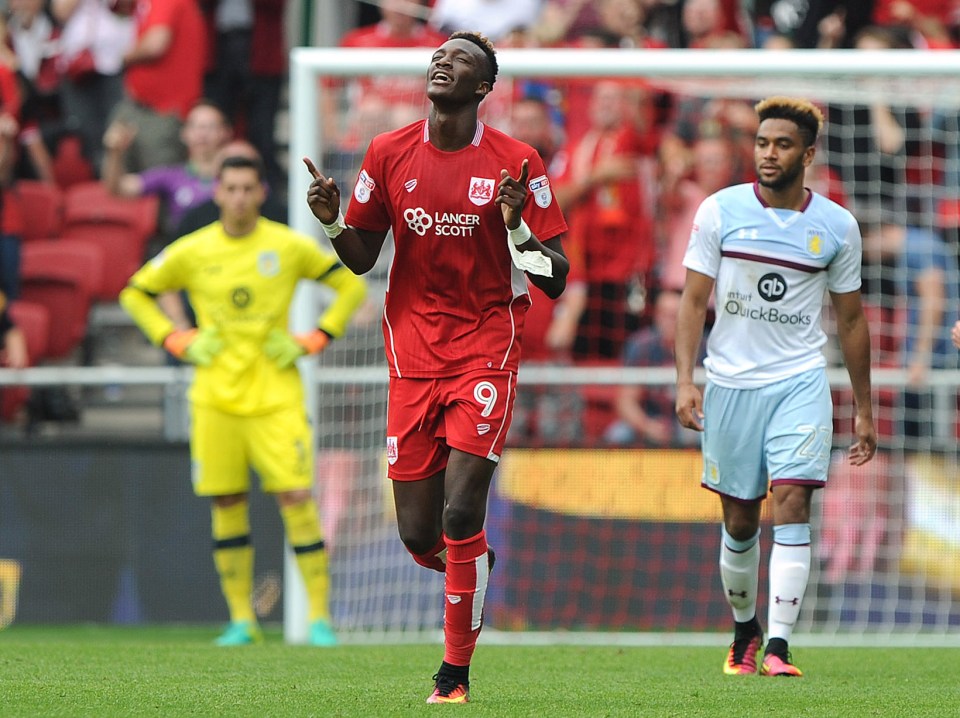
{"x":247,"y":401}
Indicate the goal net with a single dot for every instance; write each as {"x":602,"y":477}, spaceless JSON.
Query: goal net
{"x":599,"y":525}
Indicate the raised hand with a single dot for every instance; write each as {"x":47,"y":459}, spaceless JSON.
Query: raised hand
{"x":119,"y":135}
{"x":511,"y":194}
{"x":323,"y":195}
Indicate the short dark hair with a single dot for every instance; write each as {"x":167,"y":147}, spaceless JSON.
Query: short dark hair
{"x":213,"y":105}
{"x":245,"y":163}
{"x":484,"y":44}
{"x":803,"y":113}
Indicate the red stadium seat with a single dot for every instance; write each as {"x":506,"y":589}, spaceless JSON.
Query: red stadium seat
{"x":34,"y":321}
{"x":70,"y":167}
{"x":42,"y":207}
{"x":62,"y":275}
{"x":120,"y":226}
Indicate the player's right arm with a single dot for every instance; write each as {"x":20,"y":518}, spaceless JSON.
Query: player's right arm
{"x":690,"y":321}
{"x":139,"y":299}
{"x":142,"y":307}
{"x":702,"y":261}
{"x":358,"y":249}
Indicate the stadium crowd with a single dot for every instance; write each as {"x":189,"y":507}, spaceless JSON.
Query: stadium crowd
{"x":142,"y":97}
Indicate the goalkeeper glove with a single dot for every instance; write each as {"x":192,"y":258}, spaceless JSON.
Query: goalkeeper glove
{"x":197,"y":346}
{"x":284,"y":349}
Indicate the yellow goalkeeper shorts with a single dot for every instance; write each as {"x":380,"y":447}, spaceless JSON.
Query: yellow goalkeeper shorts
{"x":224,"y":447}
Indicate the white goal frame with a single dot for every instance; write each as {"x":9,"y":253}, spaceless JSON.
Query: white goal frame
{"x":908,"y":71}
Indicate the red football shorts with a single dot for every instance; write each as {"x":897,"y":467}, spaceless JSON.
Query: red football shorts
{"x":428,"y":417}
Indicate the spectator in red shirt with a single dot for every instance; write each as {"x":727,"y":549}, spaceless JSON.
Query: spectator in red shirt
{"x":620,"y":24}
{"x":705,"y":24}
{"x":609,"y":215}
{"x":378,"y":104}
{"x":11,"y":220}
{"x":163,"y":78}
{"x":929,"y":20}
{"x":688,"y":176}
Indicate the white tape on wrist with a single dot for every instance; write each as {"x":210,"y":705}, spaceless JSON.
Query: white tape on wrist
{"x":520,"y":235}
{"x":533,"y":262}
{"x":334,"y":229}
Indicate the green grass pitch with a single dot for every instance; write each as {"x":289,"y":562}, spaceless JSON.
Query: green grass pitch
{"x":172,"y":672}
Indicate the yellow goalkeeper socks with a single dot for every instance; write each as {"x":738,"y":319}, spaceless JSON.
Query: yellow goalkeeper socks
{"x":233,"y":557}
{"x":303,"y":532}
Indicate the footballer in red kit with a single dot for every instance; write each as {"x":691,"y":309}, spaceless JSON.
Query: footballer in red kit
{"x":470,"y":314}
{"x":473,"y":218}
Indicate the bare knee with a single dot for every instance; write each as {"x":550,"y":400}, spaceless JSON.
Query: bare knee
{"x":225,"y":501}
{"x":462,"y":521}
{"x":419,"y":539}
{"x":292,"y":498}
{"x":741,"y":519}
{"x":741,"y":529}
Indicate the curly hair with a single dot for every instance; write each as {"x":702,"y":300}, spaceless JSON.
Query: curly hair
{"x":484,"y":44}
{"x":803,"y":113}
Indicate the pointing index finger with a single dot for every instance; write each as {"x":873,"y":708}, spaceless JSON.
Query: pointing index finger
{"x":524,"y":171}
{"x":311,"y":167}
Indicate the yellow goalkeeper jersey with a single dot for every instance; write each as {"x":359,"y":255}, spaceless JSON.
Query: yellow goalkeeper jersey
{"x":242,"y":286}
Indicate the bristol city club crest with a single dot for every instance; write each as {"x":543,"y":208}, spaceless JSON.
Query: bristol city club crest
{"x":365,"y":186}
{"x":393,"y":452}
{"x":481,"y":190}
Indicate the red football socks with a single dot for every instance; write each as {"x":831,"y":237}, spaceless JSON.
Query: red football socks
{"x":466,"y":585}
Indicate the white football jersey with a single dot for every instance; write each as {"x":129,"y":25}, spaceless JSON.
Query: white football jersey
{"x":772,"y":268}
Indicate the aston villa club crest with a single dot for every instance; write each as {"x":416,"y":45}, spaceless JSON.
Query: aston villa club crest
{"x":268,"y":264}
{"x":540,"y":189}
{"x":392,"y":451}
{"x":815,"y":242}
{"x":712,"y":472}
{"x":364,"y":188}
{"x":481,"y":190}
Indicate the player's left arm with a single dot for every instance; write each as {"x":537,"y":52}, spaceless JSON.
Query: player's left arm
{"x":511,"y":196}
{"x":350,"y":291}
{"x":854,"y":335}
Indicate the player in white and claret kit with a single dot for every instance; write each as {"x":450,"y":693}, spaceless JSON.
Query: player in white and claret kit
{"x":471,"y":212}
{"x":768,"y":252}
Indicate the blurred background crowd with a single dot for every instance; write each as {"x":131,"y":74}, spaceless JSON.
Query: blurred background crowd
{"x":141,"y":99}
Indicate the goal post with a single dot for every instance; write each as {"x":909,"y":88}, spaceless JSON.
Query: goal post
{"x":597,"y":537}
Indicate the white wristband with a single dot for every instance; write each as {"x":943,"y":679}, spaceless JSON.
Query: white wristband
{"x":334,"y":229}
{"x":520,"y":235}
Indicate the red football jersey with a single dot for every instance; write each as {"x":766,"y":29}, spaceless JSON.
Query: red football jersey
{"x":455,"y":302}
